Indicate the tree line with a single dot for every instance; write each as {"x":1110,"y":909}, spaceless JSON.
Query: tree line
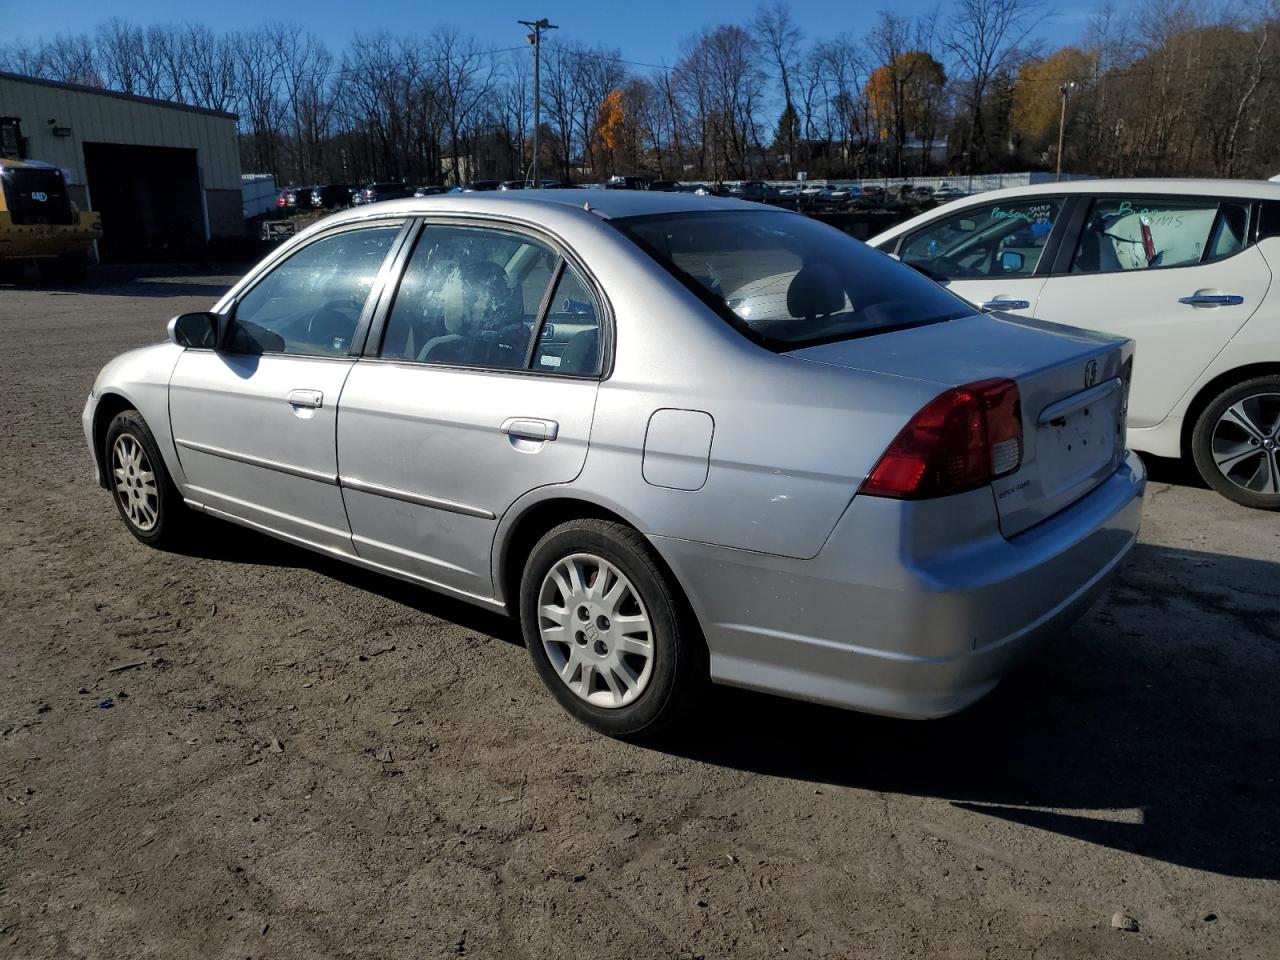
{"x":1169,"y":88}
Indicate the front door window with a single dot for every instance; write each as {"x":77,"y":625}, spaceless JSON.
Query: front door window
{"x":1000,"y":240}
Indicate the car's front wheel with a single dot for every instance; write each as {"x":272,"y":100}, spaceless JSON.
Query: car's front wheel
{"x":144,"y":493}
{"x":608,"y":632}
{"x":1236,"y":443}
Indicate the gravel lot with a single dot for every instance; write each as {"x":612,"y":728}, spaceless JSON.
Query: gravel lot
{"x":304,"y":760}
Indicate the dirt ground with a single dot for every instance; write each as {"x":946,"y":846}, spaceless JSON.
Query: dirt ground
{"x":251,"y":751}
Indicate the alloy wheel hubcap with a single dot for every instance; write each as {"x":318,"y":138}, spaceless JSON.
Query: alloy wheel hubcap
{"x":135,"y":483}
{"x":1246,"y":443}
{"x":595,"y":630}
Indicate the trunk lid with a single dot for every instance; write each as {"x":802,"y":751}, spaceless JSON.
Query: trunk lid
{"x":1073,"y":387}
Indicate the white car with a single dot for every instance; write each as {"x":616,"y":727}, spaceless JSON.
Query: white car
{"x":1183,"y":267}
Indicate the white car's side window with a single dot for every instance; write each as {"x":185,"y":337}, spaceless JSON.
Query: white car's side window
{"x":998,"y":240}
{"x":1124,"y":234}
{"x":310,"y":304}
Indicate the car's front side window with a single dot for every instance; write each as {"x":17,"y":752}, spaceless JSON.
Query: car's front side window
{"x":1003,"y":239}
{"x":1132,"y":233}
{"x":469,"y":297}
{"x":310,"y":304}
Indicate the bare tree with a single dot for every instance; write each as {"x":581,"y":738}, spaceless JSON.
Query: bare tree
{"x":782,"y":40}
{"x":984,"y":40}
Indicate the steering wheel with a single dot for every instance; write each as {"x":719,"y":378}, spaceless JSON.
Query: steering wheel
{"x":337,"y":314}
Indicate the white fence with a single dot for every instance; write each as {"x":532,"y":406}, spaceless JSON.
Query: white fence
{"x":969,"y":183}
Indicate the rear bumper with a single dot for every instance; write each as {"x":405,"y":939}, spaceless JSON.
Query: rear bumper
{"x":910,"y":609}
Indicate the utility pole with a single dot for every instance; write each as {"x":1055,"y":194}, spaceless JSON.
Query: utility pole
{"x":539,"y":27}
{"x":1062,"y":123}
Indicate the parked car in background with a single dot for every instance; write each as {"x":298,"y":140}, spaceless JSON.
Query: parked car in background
{"x":628,"y":183}
{"x":430,"y":191}
{"x":480,"y":186}
{"x":617,"y":424}
{"x":390,"y":190}
{"x":1185,"y":268}
{"x":332,"y":196}
{"x":755,"y":190}
{"x":529,"y":185}
{"x":299,"y":198}
{"x":947,"y":193}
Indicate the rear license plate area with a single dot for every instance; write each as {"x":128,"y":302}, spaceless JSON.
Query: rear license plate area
{"x":1080,"y":443}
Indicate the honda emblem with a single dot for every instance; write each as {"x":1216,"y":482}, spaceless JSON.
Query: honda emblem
{"x":1091,"y":373}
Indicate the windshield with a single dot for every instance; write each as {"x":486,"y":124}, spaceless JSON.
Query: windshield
{"x":788,"y":281}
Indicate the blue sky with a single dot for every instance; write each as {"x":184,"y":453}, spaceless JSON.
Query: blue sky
{"x":647,"y":30}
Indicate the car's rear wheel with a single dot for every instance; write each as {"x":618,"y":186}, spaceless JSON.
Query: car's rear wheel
{"x":608,"y":632}
{"x":1236,"y":443}
{"x":144,"y":493}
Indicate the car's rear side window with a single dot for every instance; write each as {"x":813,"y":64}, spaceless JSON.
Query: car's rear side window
{"x":787,"y":281}
{"x":469,"y":297}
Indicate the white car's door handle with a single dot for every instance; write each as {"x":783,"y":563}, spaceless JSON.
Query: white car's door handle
{"x":1212,"y":300}
{"x":530,"y":428}
{"x":1006,"y":305}
{"x":306,"y":398}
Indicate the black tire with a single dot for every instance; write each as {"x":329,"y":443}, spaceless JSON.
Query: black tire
{"x":679,"y":672}
{"x":1261,"y":395}
{"x":171,"y":515}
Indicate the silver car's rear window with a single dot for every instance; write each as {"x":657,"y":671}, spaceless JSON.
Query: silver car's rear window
{"x":787,"y":281}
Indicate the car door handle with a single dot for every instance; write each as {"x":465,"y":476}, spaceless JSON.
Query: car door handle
{"x":306,"y":398}
{"x":1006,"y":305}
{"x":1212,"y":300}
{"x":530,"y":428}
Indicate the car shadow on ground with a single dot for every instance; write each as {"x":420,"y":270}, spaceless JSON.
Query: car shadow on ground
{"x":1126,"y":733}
{"x":1180,"y":473}
{"x":228,"y":543}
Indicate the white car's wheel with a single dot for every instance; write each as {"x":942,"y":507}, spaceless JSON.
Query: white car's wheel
{"x":1236,"y":443}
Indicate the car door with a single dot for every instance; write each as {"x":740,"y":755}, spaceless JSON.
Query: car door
{"x":994,"y":255}
{"x":254,"y":421}
{"x":459,"y":408}
{"x":1177,"y":274}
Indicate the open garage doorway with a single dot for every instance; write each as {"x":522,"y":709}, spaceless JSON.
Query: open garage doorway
{"x":149,"y":199}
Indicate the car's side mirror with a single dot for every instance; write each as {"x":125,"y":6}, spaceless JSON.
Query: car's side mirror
{"x":1011,"y":261}
{"x":195,"y":330}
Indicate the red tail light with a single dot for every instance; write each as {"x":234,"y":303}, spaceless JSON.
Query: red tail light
{"x":961,"y":440}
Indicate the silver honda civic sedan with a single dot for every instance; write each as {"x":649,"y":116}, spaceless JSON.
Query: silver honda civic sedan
{"x":683,"y":439}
